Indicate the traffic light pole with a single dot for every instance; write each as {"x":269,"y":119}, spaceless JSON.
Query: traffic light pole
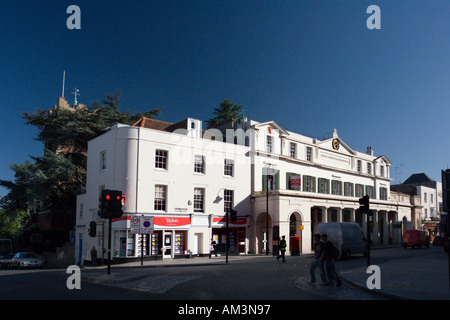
{"x":109,"y":245}
{"x":368,"y":238}
{"x":228,"y":234}
{"x":365,"y":209}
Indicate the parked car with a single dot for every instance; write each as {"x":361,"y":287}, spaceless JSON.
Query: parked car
{"x":27,"y":260}
{"x":5,"y":261}
{"x":413,"y":238}
{"x":437,"y":241}
{"x":347,"y":237}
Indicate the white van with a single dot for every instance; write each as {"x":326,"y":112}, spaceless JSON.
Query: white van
{"x":347,"y":237}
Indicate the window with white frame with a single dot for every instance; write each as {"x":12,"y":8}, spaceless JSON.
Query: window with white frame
{"x":199,"y":201}
{"x":199,"y":164}
{"x":336,"y":187}
{"x":359,"y":166}
{"x":81,"y":210}
{"x":103,"y":160}
{"x":324,"y":185}
{"x":269,"y":144}
{"x":293,"y":150}
{"x":161,"y":159}
{"x":270,"y":182}
{"x":382,"y":171}
{"x":348,"y":189}
{"x":383,"y":193}
{"x":308,"y":154}
{"x":227,"y":199}
{"x":228,"y":168}
{"x":369,"y":168}
{"x":370,"y":192}
{"x":160,"y":197}
{"x":359,"y":190}
{"x":309,"y":184}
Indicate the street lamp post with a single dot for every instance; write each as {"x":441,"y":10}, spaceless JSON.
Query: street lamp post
{"x":267,"y":206}
{"x":267,"y":212}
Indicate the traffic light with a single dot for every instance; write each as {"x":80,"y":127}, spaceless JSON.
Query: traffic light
{"x":364,"y":202}
{"x":233,"y":215}
{"x":111,"y":204}
{"x":117,"y":204}
{"x":92,"y":228}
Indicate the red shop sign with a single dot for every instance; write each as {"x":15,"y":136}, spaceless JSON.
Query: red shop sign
{"x":223,"y":220}
{"x":172,"y":221}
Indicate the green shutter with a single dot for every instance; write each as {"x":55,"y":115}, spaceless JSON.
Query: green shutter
{"x":314,"y":183}
{"x":305,"y":177}
{"x":288,"y":180}
{"x":264,"y":178}
{"x":277,"y":180}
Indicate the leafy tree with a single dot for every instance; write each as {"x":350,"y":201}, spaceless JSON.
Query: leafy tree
{"x":225,"y":112}
{"x":52,"y":181}
{"x":11,"y":224}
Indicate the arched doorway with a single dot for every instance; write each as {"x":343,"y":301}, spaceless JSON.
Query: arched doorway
{"x":263,"y":232}
{"x":295,"y":233}
{"x":295,"y":222}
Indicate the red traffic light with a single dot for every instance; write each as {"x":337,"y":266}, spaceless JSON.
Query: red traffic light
{"x":107,"y":197}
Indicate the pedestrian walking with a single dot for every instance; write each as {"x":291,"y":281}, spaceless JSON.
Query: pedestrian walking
{"x":94,"y":256}
{"x":317,"y":262}
{"x":212,"y":248}
{"x":282,"y":249}
{"x":329,"y":256}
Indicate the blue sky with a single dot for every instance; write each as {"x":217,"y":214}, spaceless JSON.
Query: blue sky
{"x":310,"y":65}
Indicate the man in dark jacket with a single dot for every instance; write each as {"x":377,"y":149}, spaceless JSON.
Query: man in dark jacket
{"x":317,"y":263}
{"x":328,"y":257}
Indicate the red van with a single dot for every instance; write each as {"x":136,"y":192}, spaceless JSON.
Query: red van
{"x":415,"y":238}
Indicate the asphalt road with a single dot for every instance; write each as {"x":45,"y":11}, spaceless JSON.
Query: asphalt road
{"x":254,"y":279}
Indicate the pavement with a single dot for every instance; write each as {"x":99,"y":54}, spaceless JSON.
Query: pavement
{"x":418,"y":278}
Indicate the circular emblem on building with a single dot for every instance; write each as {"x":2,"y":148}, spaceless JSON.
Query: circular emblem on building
{"x":335,"y":144}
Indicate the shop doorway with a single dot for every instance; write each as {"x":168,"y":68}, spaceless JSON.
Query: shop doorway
{"x":263,"y":235}
{"x":295,"y":233}
{"x":167,"y":244}
{"x":198,"y":240}
{"x":241,"y":241}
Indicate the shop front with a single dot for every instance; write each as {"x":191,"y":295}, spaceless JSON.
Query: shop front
{"x":237,"y":233}
{"x":169,"y":239}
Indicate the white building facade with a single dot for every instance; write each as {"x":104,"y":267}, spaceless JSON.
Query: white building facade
{"x":314,"y":182}
{"x":181,"y":180}
{"x":279,"y":182}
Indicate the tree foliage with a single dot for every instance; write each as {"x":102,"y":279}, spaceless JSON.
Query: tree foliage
{"x":52,"y":181}
{"x":225,"y":112}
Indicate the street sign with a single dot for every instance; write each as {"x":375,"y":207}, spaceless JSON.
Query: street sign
{"x":135,"y":224}
{"x":146,"y":225}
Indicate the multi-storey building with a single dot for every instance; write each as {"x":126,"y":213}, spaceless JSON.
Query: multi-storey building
{"x":279,"y":182}
{"x":167,"y":171}
{"x":430,"y":194}
{"x":315,"y":181}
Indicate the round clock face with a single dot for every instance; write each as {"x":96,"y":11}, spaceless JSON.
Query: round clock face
{"x":336,"y":144}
